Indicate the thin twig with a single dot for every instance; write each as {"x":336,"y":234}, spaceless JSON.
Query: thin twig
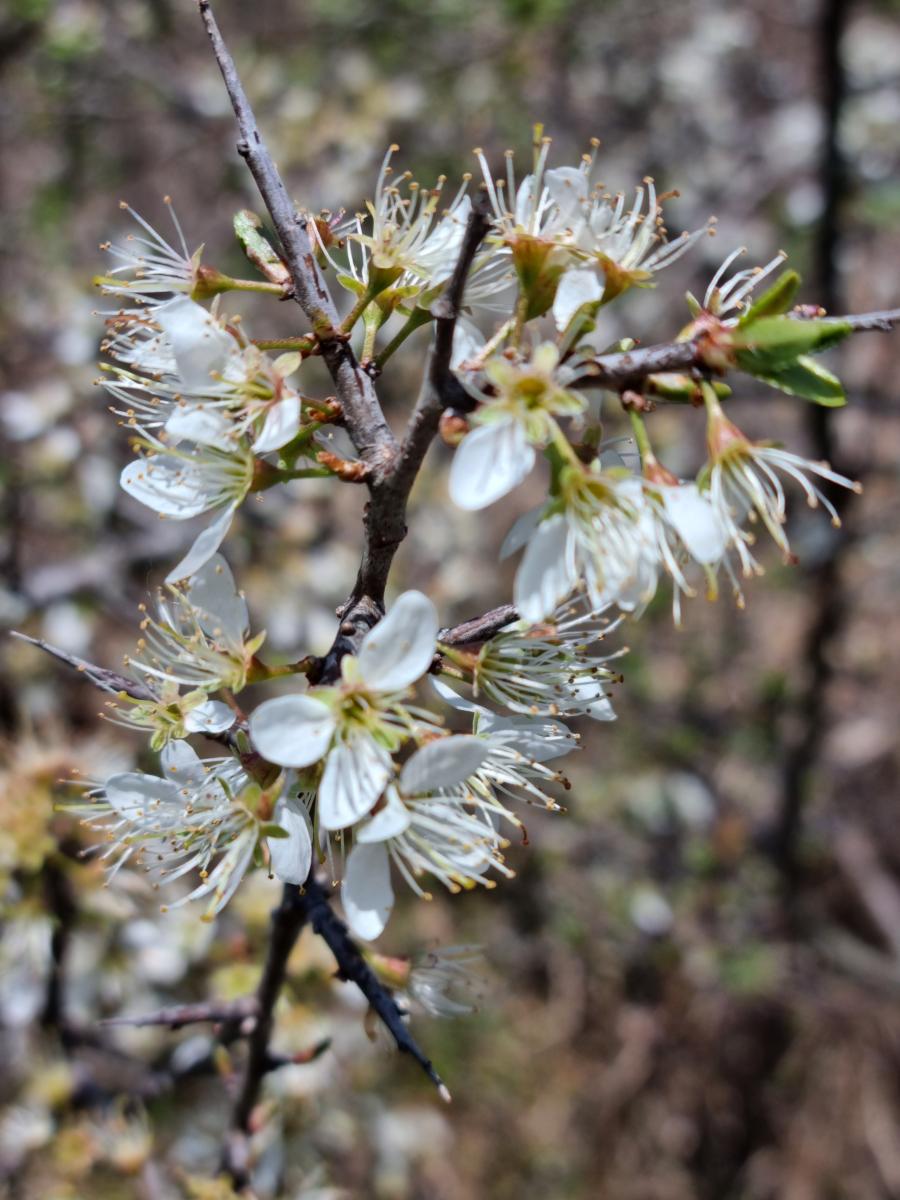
{"x":287,"y":923}
{"x":479,"y":629}
{"x":107,"y":681}
{"x":353,"y":968}
{"x":176,"y":1016}
{"x":630,"y":367}
{"x":364,"y":418}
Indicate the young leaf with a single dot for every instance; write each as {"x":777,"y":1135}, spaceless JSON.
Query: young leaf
{"x":809,"y":379}
{"x":772,"y":343}
{"x":778,"y":299}
{"x":246,"y":227}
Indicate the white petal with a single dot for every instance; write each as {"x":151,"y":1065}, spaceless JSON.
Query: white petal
{"x":543,"y":577}
{"x":356,"y":772}
{"x":202,"y":425}
{"x":489,"y":462}
{"x":134,"y":795}
{"x":366,"y":892}
{"x":338,"y":441}
{"x":449,"y":696}
{"x":400,"y":649}
{"x":575,"y":288}
{"x":280,"y":426}
{"x":165,"y":485}
{"x":291,"y":857}
{"x":181,"y":762}
{"x":568,"y":187}
{"x":696,"y":522}
{"x":520,"y":531}
{"x":524,"y":200}
{"x":206,"y":543}
{"x":442,"y":763}
{"x":200,"y":345}
{"x":467,"y":342}
{"x":211,"y":717}
{"x":292,"y":731}
{"x":222,"y":610}
{"x":390,"y":821}
{"x":537,"y":738}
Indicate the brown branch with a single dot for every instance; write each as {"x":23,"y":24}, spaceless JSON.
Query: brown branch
{"x":176,"y":1016}
{"x":385,"y":516}
{"x":107,"y":681}
{"x":352,"y":967}
{"x":364,"y":418}
{"x":438,"y":382}
{"x":630,"y":368}
{"x":288,"y":920}
{"x":479,"y":629}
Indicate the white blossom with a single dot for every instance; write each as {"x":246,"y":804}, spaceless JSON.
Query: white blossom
{"x":354,"y":727}
{"x":148,"y":265}
{"x":196,"y":817}
{"x":519,"y":415}
{"x":549,"y":669}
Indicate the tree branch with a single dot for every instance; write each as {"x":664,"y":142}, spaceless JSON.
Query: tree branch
{"x":631,"y":367}
{"x":364,"y":418}
{"x":385,"y":516}
{"x":107,"y":681}
{"x":479,"y":629}
{"x":288,"y":920}
{"x":176,"y":1016}
{"x":353,"y":967}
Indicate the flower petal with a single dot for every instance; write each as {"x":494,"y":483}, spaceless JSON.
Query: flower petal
{"x":133,"y":795}
{"x":206,"y":543}
{"x":443,"y":763}
{"x":575,"y":288}
{"x":200,"y":345}
{"x":489,"y":462}
{"x":222,"y":610}
{"x":400,"y":648}
{"x":165,"y":484}
{"x":291,"y":858}
{"x":210,"y":717}
{"x":543,"y":577}
{"x":292,"y":731}
{"x":366,"y":892}
{"x":390,"y":821}
{"x":356,"y":772}
{"x":568,"y":187}
{"x":202,"y":425}
{"x":696,"y":522}
{"x":280,"y":426}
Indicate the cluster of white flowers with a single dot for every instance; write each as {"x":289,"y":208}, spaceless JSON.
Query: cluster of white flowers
{"x":412,"y":761}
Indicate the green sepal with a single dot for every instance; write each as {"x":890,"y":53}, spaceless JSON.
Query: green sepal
{"x":809,"y":379}
{"x":271,"y":830}
{"x":694,"y":305}
{"x":678,"y":388}
{"x":778,"y":299}
{"x":356,"y":286}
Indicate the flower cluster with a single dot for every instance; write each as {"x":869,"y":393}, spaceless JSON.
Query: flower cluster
{"x":408,"y":753}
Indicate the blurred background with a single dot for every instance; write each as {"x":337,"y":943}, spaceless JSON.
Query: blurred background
{"x":692,"y":985}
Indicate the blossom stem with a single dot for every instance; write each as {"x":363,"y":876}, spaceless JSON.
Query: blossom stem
{"x":252,"y":285}
{"x":416,"y":319}
{"x":305,"y":345}
{"x":640,"y":436}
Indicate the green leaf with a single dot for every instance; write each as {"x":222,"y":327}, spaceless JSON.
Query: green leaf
{"x":778,"y":299}
{"x":809,"y":379}
{"x":774,"y":342}
{"x":246,"y":227}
